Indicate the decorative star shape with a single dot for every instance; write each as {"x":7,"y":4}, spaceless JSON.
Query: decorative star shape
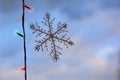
{"x":51,"y":37}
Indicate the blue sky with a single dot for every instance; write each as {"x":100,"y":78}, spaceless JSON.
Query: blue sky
{"x":92,"y":24}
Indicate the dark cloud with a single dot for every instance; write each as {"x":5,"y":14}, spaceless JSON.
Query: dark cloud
{"x":8,"y":6}
{"x":105,"y":4}
{"x":45,"y":5}
{"x":75,"y":9}
{"x":79,"y":9}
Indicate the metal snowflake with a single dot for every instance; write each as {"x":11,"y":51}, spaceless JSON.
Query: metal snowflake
{"x":51,"y":37}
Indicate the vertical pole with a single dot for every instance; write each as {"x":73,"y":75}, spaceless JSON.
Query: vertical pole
{"x":24,"y":38}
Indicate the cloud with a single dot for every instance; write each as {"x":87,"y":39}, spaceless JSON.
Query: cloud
{"x":74,"y":9}
{"x":84,"y":62}
{"x":91,"y":35}
{"x":7,"y":6}
{"x":80,"y":9}
{"x":13,"y":75}
{"x":0,"y":16}
{"x":82,"y":59}
{"x":13,"y":6}
{"x":98,"y":28}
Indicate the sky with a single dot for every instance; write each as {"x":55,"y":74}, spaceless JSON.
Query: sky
{"x":93,"y":25}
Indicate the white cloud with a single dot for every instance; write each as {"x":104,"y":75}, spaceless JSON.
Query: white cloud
{"x":11,"y":74}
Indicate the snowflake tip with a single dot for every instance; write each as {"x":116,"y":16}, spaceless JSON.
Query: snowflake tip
{"x":55,"y":58}
{"x":47,"y":15}
{"x":65,"y":25}
{"x":37,"y":48}
{"x":71,"y":43}
{"x":32,"y":26}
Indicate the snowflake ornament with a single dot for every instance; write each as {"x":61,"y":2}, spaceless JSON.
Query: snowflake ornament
{"x":50,"y":38}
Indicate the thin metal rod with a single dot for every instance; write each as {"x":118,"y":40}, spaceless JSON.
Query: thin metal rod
{"x":24,"y":39}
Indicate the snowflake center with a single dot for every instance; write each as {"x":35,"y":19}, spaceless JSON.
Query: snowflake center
{"x":51,"y":35}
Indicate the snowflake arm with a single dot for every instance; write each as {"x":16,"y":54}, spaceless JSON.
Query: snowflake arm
{"x":41,"y":43}
{"x":51,"y":37}
{"x":38,"y":29}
